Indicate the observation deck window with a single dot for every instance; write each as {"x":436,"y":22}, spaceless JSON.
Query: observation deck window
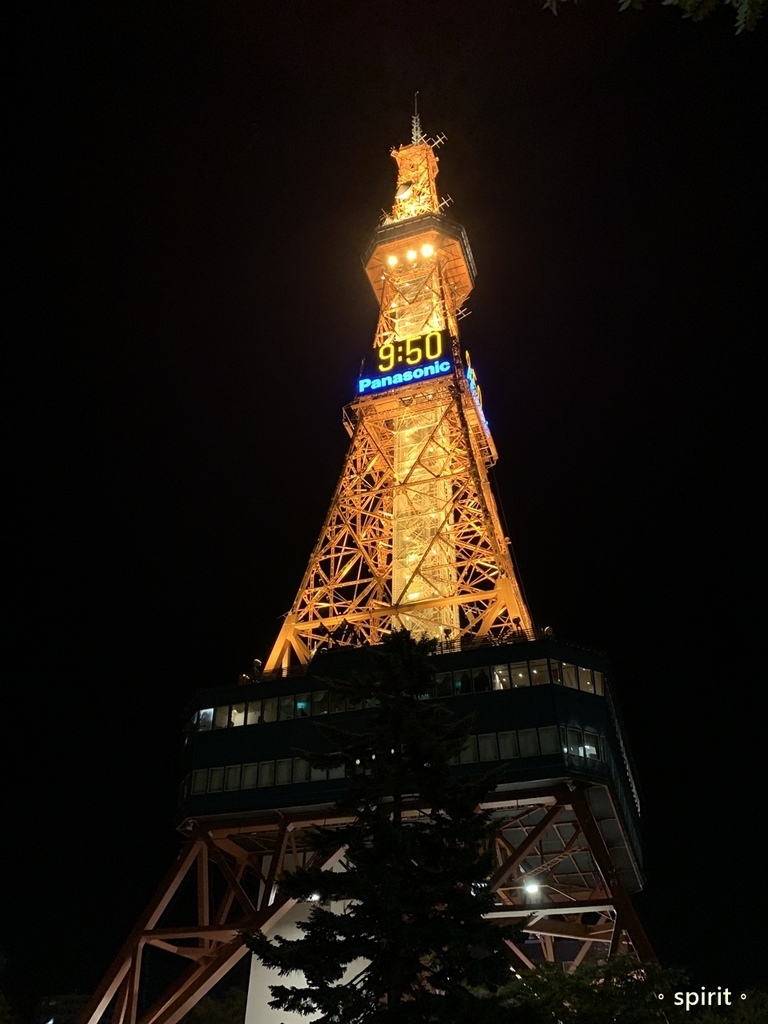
{"x":508,"y":745}
{"x":253,"y":716}
{"x":338,"y":703}
{"x":599,"y":683}
{"x":575,"y":742}
{"x":303,"y":705}
{"x":570,"y":676}
{"x":232,"y":779}
{"x":215,"y":780}
{"x":238,"y":714}
{"x":266,"y":773}
{"x":500,"y":677}
{"x":488,"y":746}
{"x":283,"y":771}
{"x":354,"y":702}
{"x":250,"y":776}
{"x":586,"y":682}
{"x":269,"y":709}
{"x":221,"y":717}
{"x":591,"y":744}
{"x":549,"y":739}
{"x":520,"y":676}
{"x":206,"y":719}
{"x":320,"y":702}
{"x":463,"y":683}
{"x":539,"y":671}
{"x":286,"y":707}
{"x":468,"y":753}
{"x":481,"y":680}
{"x":200,"y":781}
{"x":444,"y":684}
{"x":529,"y":742}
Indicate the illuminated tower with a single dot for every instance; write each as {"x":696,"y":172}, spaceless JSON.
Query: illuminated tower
{"x":412,"y":538}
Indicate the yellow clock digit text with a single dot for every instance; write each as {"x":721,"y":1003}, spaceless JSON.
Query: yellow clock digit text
{"x":386,"y":357}
{"x":413,"y":351}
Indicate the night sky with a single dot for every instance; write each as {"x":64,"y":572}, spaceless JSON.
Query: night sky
{"x":195,"y":183}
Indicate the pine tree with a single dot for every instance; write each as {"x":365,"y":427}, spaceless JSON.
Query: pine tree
{"x":411,"y":900}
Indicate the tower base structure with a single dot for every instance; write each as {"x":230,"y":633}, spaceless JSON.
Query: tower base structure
{"x":566,"y":846}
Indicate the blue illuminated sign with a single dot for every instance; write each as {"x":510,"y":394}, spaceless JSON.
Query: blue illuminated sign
{"x":405,"y":361}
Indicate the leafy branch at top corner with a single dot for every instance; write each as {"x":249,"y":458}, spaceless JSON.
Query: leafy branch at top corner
{"x":748,"y":12}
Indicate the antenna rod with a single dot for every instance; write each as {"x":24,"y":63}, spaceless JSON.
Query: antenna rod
{"x":417,"y":135}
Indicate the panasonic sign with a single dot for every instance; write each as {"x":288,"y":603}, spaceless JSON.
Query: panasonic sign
{"x":391,"y":380}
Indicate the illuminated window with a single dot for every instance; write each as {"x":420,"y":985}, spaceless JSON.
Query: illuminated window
{"x":250,"y":776}
{"x":570,"y":677}
{"x":549,"y":739}
{"x":585,"y":680}
{"x":221,"y":717}
{"x":269,"y":709}
{"x":539,"y":671}
{"x":599,"y":683}
{"x":254,"y":712}
{"x":232,"y":779}
{"x":238,"y":714}
{"x":205,"y":720}
{"x":488,"y":746}
{"x":556,"y":671}
{"x":519,"y":673}
{"x":303,"y":705}
{"x":500,"y":676}
{"x":529,"y":742}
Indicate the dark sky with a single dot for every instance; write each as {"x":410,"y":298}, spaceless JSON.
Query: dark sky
{"x":195,"y":184}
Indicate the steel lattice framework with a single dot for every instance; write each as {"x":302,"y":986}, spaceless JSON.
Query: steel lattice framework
{"x":412,"y":538}
{"x":226,"y":882}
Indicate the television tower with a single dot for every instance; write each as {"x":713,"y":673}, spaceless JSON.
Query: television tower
{"x":412,"y":539}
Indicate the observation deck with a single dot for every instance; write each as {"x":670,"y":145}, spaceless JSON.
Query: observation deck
{"x":542,"y":712}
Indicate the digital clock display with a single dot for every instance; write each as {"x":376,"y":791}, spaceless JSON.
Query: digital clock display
{"x":406,"y":360}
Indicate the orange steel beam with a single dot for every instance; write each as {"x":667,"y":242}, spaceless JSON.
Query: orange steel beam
{"x":626,"y":916}
{"x":502,"y":873}
{"x":121,"y":965}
